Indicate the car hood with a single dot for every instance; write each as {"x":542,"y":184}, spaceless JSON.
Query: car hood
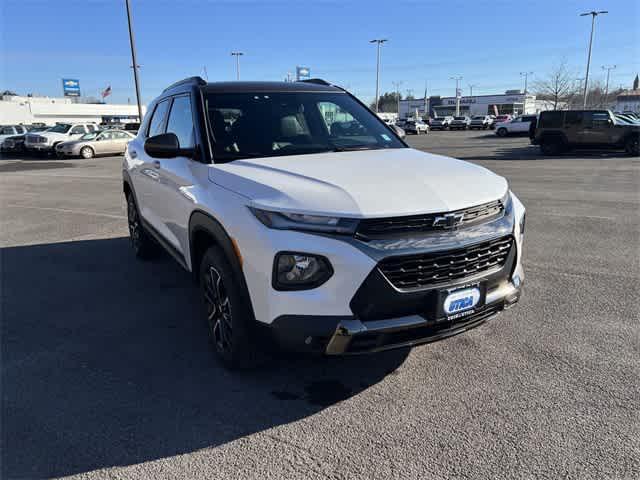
{"x":51,"y":135}
{"x":369,"y":183}
{"x":73,"y":143}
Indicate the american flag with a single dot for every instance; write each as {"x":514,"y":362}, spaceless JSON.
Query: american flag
{"x":106,"y":92}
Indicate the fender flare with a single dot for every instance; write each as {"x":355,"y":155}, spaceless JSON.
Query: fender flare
{"x":201,"y":221}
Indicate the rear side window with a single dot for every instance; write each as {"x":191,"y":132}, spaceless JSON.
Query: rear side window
{"x":156,"y":126}
{"x":181,"y":121}
{"x":551,"y":119}
{"x":573,"y":118}
{"x":78,"y":129}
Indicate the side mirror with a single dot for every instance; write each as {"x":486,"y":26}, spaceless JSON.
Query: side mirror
{"x":166,"y":145}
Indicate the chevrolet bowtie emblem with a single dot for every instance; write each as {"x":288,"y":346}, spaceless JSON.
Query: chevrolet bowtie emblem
{"x":448,"y":220}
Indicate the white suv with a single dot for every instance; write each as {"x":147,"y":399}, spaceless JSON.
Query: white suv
{"x":307,"y":222}
{"x":62,"y":132}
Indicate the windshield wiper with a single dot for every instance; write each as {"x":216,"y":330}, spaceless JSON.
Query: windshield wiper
{"x":353,"y":148}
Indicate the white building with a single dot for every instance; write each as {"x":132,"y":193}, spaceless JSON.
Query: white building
{"x":511,"y":102}
{"x":47,"y":110}
{"x":628,"y":101}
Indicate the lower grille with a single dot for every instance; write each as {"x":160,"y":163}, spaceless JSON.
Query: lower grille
{"x":410,"y":272}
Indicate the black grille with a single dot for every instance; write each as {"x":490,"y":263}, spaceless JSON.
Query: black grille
{"x":388,"y":227}
{"x":418,"y":271}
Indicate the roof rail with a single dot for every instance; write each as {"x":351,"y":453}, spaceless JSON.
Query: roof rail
{"x":186,"y":81}
{"x":317,"y":81}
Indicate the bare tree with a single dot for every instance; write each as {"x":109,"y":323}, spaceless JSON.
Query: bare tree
{"x":558,"y":87}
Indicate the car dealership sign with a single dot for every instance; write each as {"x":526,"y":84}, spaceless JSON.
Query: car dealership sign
{"x":71,"y":87}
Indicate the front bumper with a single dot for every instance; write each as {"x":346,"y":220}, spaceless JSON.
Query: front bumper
{"x":352,"y":336}
{"x":39,"y":147}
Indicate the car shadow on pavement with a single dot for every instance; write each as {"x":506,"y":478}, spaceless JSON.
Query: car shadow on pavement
{"x":105,"y":362}
{"x":532,"y":152}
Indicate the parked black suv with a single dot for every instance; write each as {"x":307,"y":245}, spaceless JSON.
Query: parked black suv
{"x":562,"y":130}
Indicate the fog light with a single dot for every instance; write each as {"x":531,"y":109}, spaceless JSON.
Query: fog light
{"x":300,"y":271}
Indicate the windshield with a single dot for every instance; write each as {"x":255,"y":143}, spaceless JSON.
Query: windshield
{"x":459,"y":118}
{"x":254,"y":125}
{"x":89,"y":136}
{"x":61,"y":128}
{"x":478,"y":118}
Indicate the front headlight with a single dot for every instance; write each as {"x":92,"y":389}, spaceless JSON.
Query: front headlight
{"x":302,"y":221}
{"x":300,"y":271}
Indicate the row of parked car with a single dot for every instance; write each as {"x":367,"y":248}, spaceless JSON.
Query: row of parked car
{"x":67,"y":139}
{"x":477,"y":122}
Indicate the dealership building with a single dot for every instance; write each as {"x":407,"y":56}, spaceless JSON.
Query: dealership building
{"x":511,"y":102}
{"x":15,"y":109}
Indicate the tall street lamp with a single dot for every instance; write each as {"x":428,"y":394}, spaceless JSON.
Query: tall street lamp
{"x":134,"y":60}
{"x":606,"y":88}
{"x":379,"y":41}
{"x":237,"y":55}
{"x":397,"y":86}
{"x":526,"y":78}
{"x":593,"y":14}
{"x":457,"y":79}
{"x":471,"y":89}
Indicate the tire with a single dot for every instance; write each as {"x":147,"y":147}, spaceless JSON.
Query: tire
{"x":502,"y":132}
{"x":87,"y":153}
{"x":228,"y":314}
{"x":143,"y":245}
{"x":550,"y":146}
{"x":59,"y":155}
{"x":632,"y":146}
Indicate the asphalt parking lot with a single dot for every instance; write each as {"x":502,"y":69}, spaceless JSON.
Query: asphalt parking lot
{"x":107,"y":373}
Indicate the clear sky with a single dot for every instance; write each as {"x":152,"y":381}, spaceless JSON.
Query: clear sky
{"x":487,"y":42}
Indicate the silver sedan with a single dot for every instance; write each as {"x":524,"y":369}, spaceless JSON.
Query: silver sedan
{"x":108,"y":142}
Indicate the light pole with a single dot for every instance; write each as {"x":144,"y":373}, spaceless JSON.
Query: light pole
{"x":606,"y":88}
{"x":397,"y":87}
{"x":526,"y":78}
{"x":134,"y":60}
{"x":379,"y":41}
{"x":471,"y":89}
{"x":457,"y":79}
{"x":237,"y":55}
{"x":593,"y":14}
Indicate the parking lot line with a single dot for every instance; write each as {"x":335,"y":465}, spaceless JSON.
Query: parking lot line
{"x":66,"y":210}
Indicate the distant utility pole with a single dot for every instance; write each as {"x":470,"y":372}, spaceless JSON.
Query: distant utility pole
{"x":593,"y":14}
{"x":206,"y":75}
{"x":379,"y":41}
{"x":237,"y":55}
{"x":397,"y":87}
{"x":526,"y":78}
{"x":471,"y":89}
{"x":134,"y":61}
{"x":457,"y":79}
{"x":608,"y":69}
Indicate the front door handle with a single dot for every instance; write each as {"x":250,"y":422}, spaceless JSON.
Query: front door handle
{"x":156,"y":163}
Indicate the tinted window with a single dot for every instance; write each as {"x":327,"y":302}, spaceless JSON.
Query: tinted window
{"x":573,"y":118}
{"x":551,"y":119}
{"x":78,"y":129}
{"x":21,"y":129}
{"x":253,"y":125}
{"x":60,"y":128}
{"x":597,"y":119}
{"x":91,"y":128}
{"x":156,"y":126}
{"x":7,"y":131}
{"x":181,"y":121}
